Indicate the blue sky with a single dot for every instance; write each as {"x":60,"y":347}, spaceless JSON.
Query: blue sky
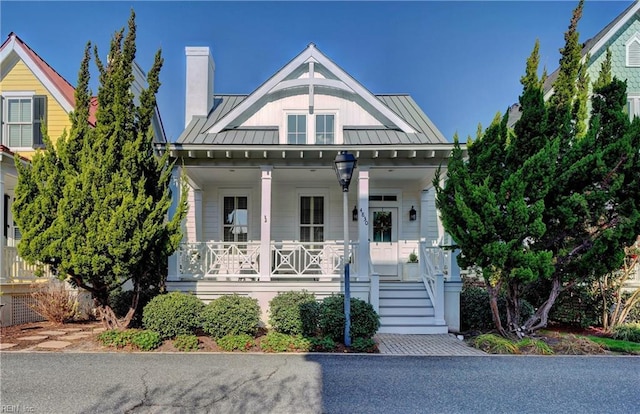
{"x":461,"y":61}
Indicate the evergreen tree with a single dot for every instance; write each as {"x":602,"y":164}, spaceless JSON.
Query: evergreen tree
{"x":557,"y":202}
{"x":94,"y":206}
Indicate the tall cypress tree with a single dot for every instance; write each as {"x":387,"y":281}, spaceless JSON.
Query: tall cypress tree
{"x":94,"y":205}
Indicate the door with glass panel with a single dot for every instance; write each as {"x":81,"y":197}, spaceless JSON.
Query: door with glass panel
{"x":383,"y":241}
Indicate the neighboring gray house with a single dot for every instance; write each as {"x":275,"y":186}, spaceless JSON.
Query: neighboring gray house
{"x":266,"y":211}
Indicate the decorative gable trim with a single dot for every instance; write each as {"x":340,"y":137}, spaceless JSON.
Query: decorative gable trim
{"x":632,"y":51}
{"x":279,"y":81}
{"x":16,"y":47}
{"x":628,"y":14}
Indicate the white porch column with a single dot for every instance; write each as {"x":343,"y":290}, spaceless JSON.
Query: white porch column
{"x":3,"y":240}
{"x":363,"y":223}
{"x":425,"y":215}
{"x":265,"y":224}
{"x":197,"y":211}
{"x":174,"y":185}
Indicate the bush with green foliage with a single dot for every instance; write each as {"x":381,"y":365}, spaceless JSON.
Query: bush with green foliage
{"x":279,"y":342}
{"x":294,"y":313}
{"x":144,"y":340}
{"x":173,"y":314}
{"x":322,"y":344}
{"x":242,"y":342}
{"x":627,"y":332}
{"x":363,"y":345}
{"x":231,"y":315}
{"x":364,"y":319}
{"x":475,"y":313}
{"x":186,"y":343}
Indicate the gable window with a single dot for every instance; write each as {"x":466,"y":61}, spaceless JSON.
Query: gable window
{"x":311,"y":219}
{"x":235,"y":219}
{"x":296,"y":129}
{"x":633,"y":51}
{"x":22,"y":120}
{"x":325,"y":131}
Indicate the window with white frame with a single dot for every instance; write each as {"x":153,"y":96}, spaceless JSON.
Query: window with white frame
{"x":633,"y":51}
{"x":633,"y":106}
{"x":325,"y":131}
{"x":296,"y":129}
{"x":22,"y":119}
{"x":235,"y":219}
{"x":323,"y":124}
{"x":311,"y":219}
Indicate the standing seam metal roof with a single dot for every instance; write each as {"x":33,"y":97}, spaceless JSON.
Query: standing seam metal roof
{"x":402,"y":104}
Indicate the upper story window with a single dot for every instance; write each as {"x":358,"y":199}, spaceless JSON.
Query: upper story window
{"x":22,"y":119}
{"x":324,"y":126}
{"x":325,"y":131}
{"x":296,"y":129}
{"x":633,"y":51}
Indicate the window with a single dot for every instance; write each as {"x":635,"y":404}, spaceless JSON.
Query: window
{"x":311,"y":219}
{"x":324,"y":129}
{"x":633,"y":106}
{"x":22,"y":119}
{"x":296,"y":129}
{"x":235,"y":219}
{"x":633,"y":51}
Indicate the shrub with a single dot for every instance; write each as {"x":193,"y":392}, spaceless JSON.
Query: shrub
{"x":495,"y":344}
{"x":143,"y":340}
{"x":475,"y":312}
{"x":115,"y":337}
{"x":577,"y":345}
{"x":173,"y":314}
{"x":279,"y":342}
{"x":231,"y":315}
{"x":294,"y":313}
{"x":363,"y":345}
{"x":242,"y":342}
{"x":627,"y":332}
{"x":186,"y":343}
{"x":120,"y":300}
{"x":146,"y":340}
{"x":322,"y":344}
{"x":534,"y":346}
{"x":54,"y":303}
{"x":364,"y":320}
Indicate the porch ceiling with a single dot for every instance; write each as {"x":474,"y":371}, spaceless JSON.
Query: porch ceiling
{"x":207,"y":175}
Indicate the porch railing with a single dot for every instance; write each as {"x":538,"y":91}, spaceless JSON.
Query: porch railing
{"x":434,"y":267}
{"x":16,"y":270}
{"x":241,"y":260}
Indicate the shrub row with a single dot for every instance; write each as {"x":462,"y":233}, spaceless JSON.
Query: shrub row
{"x":291,"y":314}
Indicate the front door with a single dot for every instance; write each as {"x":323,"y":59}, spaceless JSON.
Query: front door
{"x":383,"y":236}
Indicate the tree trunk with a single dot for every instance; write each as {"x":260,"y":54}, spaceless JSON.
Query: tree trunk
{"x":513,"y":309}
{"x":493,"y":304}
{"x":126,"y":321}
{"x":541,"y":317}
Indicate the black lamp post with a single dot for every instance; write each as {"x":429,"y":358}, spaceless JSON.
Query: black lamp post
{"x":345,"y":163}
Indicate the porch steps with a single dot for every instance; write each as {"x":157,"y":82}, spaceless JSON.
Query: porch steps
{"x":405,"y":308}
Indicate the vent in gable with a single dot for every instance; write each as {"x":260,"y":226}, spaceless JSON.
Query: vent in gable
{"x":633,"y":52}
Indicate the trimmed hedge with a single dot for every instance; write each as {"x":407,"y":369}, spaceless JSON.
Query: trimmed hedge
{"x":173,"y":314}
{"x":231,"y":315}
{"x":294,"y":313}
{"x":364,"y":319}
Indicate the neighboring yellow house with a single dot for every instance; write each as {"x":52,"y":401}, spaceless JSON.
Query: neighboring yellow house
{"x":32,"y":93}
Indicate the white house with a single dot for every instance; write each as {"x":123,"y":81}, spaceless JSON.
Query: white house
{"x":266,"y":209}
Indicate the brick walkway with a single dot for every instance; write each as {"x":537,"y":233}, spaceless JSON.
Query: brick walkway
{"x":441,"y":345}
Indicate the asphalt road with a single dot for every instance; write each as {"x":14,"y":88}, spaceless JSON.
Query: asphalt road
{"x":277,"y":383}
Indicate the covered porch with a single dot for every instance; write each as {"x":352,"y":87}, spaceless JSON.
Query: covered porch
{"x":263,"y":222}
